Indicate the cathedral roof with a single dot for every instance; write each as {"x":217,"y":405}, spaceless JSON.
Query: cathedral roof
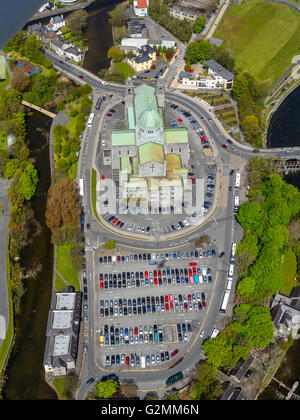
{"x":150,"y":118}
{"x":151,"y":152}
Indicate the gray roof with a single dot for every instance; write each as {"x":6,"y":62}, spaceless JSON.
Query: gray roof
{"x":215,"y":41}
{"x":73,"y":50}
{"x":185,"y":75}
{"x":217,"y":68}
{"x":232,"y":393}
{"x":240,"y":371}
{"x":57,"y":19}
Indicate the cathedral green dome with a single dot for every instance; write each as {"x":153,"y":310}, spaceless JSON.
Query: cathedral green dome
{"x":150,"y":119}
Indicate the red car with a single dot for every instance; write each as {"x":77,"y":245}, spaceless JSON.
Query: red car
{"x":194,"y":270}
{"x":118,"y":258}
{"x":110,"y":96}
{"x":166,"y":298}
{"x":101,"y":276}
{"x":203,"y":138}
{"x":114,"y":221}
{"x":159,"y":273}
{"x":173,"y":354}
{"x":171,"y":305}
{"x":118,"y":223}
{"x":101,"y":285}
{"x":203,"y":303}
{"x":185,"y":306}
{"x":190,"y":272}
{"x":80,"y":76}
{"x":167,"y":306}
{"x":146,"y":273}
{"x":102,"y":176}
{"x":155,"y":281}
{"x":155,"y":273}
{"x":180,"y":119}
{"x":189,"y":298}
{"x":192,"y":264}
{"x":136,"y":330}
{"x":127,"y":361}
{"x":109,"y":115}
{"x":224,"y":146}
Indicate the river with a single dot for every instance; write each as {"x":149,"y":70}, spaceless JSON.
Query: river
{"x":26,"y":378}
{"x":284,"y":127}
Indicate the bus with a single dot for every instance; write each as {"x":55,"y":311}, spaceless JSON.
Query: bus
{"x":233,"y":248}
{"x":230,"y":271}
{"x":224,"y":302}
{"x":236,"y":203}
{"x":98,"y":104}
{"x":237,"y":180}
{"x":174,"y":378}
{"x":91,"y":119}
{"x":229,"y":284}
{"x":81,"y":187}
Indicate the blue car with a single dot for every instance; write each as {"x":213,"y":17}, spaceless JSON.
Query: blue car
{"x":174,"y":125}
{"x":193,"y":121}
{"x":148,"y":308}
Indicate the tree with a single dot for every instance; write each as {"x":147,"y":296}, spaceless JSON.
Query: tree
{"x":19,"y":80}
{"x":205,"y":386}
{"x":106,"y":389}
{"x":199,"y":24}
{"x":62,"y":205}
{"x":27,"y":182}
{"x":77,"y":21}
{"x":251,"y":128}
{"x":115,"y":54}
{"x":250,"y":215}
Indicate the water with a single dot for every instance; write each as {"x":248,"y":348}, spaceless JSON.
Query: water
{"x":13,"y":16}
{"x":284,"y":128}
{"x":26,"y":378}
{"x":99,"y":35}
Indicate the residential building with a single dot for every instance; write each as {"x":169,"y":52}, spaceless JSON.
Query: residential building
{"x":232,"y":393}
{"x":56,"y":23}
{"x":140,"y":7}
{"x":73,"y":53}
{"x":62,"y":332}
{"x":239,"y":372}
{"x":217,"y":77}
{"x":285,"y":312}
{"x":144,"y":58}
{"x":58,"y":46}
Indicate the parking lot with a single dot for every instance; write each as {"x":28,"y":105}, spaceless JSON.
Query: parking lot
{"x":144,"y":313}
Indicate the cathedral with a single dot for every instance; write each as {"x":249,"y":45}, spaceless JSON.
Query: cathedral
{"x":151,"y":159}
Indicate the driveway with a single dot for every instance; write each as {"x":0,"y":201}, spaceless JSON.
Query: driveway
{"x":4,"y":309}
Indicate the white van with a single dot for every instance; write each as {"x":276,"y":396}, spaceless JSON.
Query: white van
{"x":214,"y":333}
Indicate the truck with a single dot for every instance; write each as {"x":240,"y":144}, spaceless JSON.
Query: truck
{"x":143,"y":361}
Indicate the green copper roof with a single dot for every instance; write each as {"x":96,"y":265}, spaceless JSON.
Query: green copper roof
{"x":144,"y":96}
{"x":126,"y":165}
{"x":176,"y":135}
{"x":150,"y":118}
{"x":150,"y":152}
{"x":130,"y":115}
{"x":123,"y":138}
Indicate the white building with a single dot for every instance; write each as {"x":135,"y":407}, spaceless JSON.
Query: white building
{"x":140,"y":7}
{"x":56,"y":23}
{"x":73,"y":53}
{"x":217,"y":77}
{"x":62,"y":333}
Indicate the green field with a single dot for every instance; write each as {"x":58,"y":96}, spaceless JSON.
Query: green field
{"x":124,"y":68}
{"x":64,"y":266}
{"x":262,"y":37}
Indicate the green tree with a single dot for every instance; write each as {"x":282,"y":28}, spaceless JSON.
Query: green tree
{"x":115,"y":54}
{"x":199,"y":24}
{"x":205,"y":386}
{"x":106,"y":389}
{"x":27,"y":182}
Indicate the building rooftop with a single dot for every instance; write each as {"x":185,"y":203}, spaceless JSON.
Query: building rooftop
{"x":123,"y":138}
{"x":61,"y":345}
{"x":65,"y":300}
{"x":142,"y":4}
{"x":62,"y":319}
{"x":219,"y":69}
{"x":176,"y":135}
{"x":151,"y":152}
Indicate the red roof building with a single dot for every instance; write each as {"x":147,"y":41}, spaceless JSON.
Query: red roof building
{"x":142,"y":4}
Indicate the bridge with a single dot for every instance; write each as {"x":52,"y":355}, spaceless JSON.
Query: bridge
{"x":286,"y":164}
{"x":37,"y":108}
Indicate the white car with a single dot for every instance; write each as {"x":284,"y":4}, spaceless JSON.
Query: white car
{"x":104,"y":83}
{"x":202,"y":333}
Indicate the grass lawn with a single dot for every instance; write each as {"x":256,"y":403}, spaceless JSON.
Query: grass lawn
{"x":289,"y":268}
{"x":94,"y":180}
{"x":124,"y":68}
{"x":10,"y":329}
{"x":64,"y":265}
{"x":59,"y":283}
{"x":261,"y":36}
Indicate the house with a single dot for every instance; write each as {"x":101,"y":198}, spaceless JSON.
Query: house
{"x":232,"y":393}
{"x":56,"y":23}
{"x":62,"y":332}
{"x":285,"y":313}
{"x":217,"y":77}
{"x":132,"y":44}
{"x":219,"y":73}
{"x":73,"y":53}
{"x":144,"y":58}
{"x":239,"y":372}
{"x":140,"y":7}
{"x":180,"y":12}
{"x":58,"y":46}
